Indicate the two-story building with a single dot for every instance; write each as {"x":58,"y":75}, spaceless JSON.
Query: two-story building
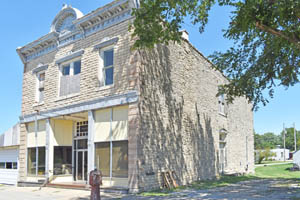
{"x":90,"y":101}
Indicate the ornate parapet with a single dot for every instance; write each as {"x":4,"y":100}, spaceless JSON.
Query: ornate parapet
{"x":71,"y":25}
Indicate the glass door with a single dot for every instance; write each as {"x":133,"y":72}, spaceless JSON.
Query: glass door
{"x":81,"y":151}
{"x":81,"y":165}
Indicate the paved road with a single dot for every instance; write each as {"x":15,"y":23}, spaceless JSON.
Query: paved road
{"x":33,"y":193}
{"x":246,"y":190}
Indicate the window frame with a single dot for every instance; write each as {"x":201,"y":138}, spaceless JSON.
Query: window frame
{"x":71,"y":64}
{"x":71,"y":73}
{"x":111,"y":157}
{"x":38,"y":81}
{"x":102,"y":68}
{"x":222,"y":105}
{"x":36,"y":162}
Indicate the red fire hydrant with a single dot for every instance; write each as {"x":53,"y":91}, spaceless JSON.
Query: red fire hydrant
{"x":95,"y":182}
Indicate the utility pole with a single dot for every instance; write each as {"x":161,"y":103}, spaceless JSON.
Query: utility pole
{"x":283,"y":143}
{"x":295,"y":137}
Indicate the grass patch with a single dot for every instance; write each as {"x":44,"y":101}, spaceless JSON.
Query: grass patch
{"x":277,"y":171}
{"x":271,"y":162}
{"x":223,"y":181}
{"x":156,"y":193}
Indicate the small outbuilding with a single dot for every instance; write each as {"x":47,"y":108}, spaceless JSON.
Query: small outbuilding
{"x":9,"y":155}
{"x":279,"y":154}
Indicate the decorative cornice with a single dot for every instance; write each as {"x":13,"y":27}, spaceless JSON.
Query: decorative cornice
{"x":100,"y":19}
{"x":122,"y":4}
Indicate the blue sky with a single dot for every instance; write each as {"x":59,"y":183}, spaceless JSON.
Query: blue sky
{"x":24,"y":21}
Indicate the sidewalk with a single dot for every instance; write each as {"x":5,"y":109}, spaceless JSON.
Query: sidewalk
{"x":279,"y":163}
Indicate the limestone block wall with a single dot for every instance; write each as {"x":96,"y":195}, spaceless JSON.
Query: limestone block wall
{"x":125,"y":77}
{"x":179,"y":117}
{"x":124,"y":74}
{"x":240,"y":139}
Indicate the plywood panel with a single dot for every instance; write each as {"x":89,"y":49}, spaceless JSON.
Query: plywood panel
{"x":102,"y":125}
{"x":120,"y":123}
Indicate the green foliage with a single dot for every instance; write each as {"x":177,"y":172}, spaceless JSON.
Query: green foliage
{"x":264,"y":155}
{"x":289,"y":139}
{"x":266,"y":34}
{"x":267,"y":140}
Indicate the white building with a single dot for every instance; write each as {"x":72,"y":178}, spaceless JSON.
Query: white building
{"x":9,"y":155}
{"x":279,"y":154}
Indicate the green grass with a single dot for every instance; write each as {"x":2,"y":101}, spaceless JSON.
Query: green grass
{"x":270,"y":162}
{"x":276,"y":171}
{"x":271,"y":171}
{"x":156,"y":193}
{"x":223,"y":181}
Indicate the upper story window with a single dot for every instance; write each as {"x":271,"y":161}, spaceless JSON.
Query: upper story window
{"x":106,"y":72}
{"x":70,"y":78}
{"x":41,"y":86}
{"x":66,"y":70}
{"x":222,"y":104}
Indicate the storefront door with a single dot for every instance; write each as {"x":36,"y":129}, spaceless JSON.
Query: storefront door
{"x":81,"y":165}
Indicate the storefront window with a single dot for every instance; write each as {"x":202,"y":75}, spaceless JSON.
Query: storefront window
{"x":119,"y":158}
{"x":102,"y":158}
{"x":41,"y":161}
{"x":62,"y":160}
{"x":2,"y":165}
{"x":31,"y":161}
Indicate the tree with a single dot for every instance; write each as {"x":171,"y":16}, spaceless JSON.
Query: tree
{"x":266,"y":141}
{"x":289,"y":139}
{"x":264,"y":155}
{"x":266,"y":35}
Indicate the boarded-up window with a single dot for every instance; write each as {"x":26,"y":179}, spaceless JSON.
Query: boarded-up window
{"x":70,"y":79}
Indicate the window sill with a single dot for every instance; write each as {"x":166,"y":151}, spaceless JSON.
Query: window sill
{"x":106,"y":87}
{"x":38,"y":104}
{"x":66,"y":97}
{"x":223,"y":114}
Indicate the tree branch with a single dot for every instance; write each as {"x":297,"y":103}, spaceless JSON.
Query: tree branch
{"x":278,"y":33}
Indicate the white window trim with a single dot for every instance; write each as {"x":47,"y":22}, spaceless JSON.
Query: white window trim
{"x":101,"y":72}
{"x":223,"y":105}
{"x":60,"y":67}
{"x":37,"y":92}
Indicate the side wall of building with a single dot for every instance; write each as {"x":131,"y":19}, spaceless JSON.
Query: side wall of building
{"x":180,"y":119}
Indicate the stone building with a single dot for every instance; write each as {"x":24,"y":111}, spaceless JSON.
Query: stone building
{"x":89,"y":101}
